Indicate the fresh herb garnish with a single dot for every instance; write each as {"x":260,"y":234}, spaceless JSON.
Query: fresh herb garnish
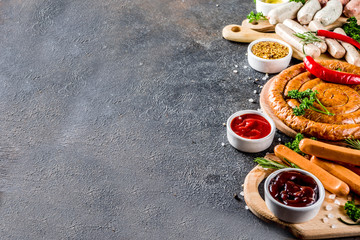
{"x":268,"y":163}
{"x":307,"y":99}
{"x":352,"y":210}
{"x":307,"y":38}
{"x":352,"y":29}
{"x":339,"y":69}
{"x":255,"y":17}
{"x":302,"y":1}
{"x":353,"y":143}
{"x":294,"y":145}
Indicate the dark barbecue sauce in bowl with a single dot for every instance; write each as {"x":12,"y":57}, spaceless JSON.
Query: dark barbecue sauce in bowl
{"x":294,"y":188}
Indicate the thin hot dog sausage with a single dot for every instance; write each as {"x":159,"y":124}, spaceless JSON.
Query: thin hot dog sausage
{"x":330,"y":152}
{"x":296,"y":27}
{"x":334,"y":47}
{"x":352,"y":55}
{"x":341,"y":172}
{"x":330,"y":182}
{"x":288,"y":35}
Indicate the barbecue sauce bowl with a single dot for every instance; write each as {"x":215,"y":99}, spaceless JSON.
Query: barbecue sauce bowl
{"x":250,"y":131}
{"x":293,"y":195}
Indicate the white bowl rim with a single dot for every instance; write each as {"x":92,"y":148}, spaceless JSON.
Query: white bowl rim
{"x":242,"y":112}
{"x":251,"y":54}
{"x":319,"y":201}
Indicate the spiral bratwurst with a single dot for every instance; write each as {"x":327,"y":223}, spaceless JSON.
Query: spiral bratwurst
{"x":341,"y":100}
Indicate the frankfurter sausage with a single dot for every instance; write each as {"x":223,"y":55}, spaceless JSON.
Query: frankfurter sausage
{"x":341,"y":172}
{"x":288,"y":35}
{"x":334,"y":47}
{"x":307,"y":12}
{"x":296,"y":27}
{"x":288,"y":10}
{"x":330,"y":13}
{"x":330,"y":182}
{"x":352,"y":55}
{"x":330,"y":152}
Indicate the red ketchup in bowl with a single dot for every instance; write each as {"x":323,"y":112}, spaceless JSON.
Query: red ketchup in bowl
{"x":251,"y":126}
{"x":294,"y":188}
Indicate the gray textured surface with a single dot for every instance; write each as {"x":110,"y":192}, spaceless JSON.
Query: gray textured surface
{"x":111,"y":121}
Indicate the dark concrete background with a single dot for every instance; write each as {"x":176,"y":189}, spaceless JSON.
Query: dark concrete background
{"x":112,"y":119}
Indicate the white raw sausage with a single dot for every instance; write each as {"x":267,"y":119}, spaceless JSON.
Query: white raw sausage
{"x":307,"y":12}
{"x":330,"y":13}
{"x":288,"y":35}
{"x":288,"y":10}
{"x":352,"y":55}
{"x":334,"y":47}
{"x":295,"y":26}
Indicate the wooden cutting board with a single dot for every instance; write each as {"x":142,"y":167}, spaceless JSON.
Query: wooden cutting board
{"x":248,"y":32}
{"x":313,"y":229}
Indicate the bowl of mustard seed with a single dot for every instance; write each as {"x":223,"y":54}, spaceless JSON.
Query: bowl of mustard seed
{"x":269,"y":55}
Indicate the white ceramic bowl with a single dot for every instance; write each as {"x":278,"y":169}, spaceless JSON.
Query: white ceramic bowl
{"x":265,"y":8}
{"x":288,"y":213}
{"x":246,"y":144}
{"x":268,"y":65}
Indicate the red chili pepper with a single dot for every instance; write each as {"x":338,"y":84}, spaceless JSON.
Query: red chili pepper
{"x":329,"y":75}
{"x":338,"y":36}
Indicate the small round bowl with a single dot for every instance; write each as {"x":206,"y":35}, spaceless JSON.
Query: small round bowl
{"x":268,"y":65}
{"x":293,"y":214}
{"x":246,"y":144}
{"x":265,"y":8}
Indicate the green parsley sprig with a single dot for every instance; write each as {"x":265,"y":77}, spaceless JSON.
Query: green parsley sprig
{"x":353,"y":211}
{"x":307,"y":99}
{"x":255,"y":17}
{"x":268,"y":163}
{"x":352,"y":29}
{"x":294,"y":145}
{"x":302,"y":1}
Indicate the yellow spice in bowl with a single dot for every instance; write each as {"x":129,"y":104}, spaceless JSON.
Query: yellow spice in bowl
{"x":270,"y":50}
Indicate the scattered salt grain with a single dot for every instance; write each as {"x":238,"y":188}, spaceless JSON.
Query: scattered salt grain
{"x":249,"y":78}
{"x":224,"y":124}
{"x":235,"y":71}
{"x":256,"y":79}
{"x":242,"y":185}
{"x":245,"y":67}
{"x":222,"y":144}
{"x":279,"y":139}
{"x":332,"y":196}
{"x":217,"y":5}
{"x":328,"y":207}
{"x":260,"y":86}
{"x":255,"y":91}
{"x":245,"y":54}
{"x":330,"y":215}
{"x":265,"y":77}
{"x":246,"y":207}
{"x":325,"y":220}
{"x":337,"y":202}
{"x":242,"y":193}
{"x":251,"y":100}
{"x":236,"y":65}
{"x":333,"y":226}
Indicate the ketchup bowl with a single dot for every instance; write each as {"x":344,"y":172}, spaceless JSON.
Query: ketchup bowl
{"x":250,"y":131}
{"x":293,"y":195}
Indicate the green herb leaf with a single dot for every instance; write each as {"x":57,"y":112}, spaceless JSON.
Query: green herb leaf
{"x":302,"y":1}
{"x":267,"y":163}
{"x":339,"y":69}
{"x":255,"y":17}
{"x":348,"y":223}
{"x":307,"y":99}
{"x":307,"y":38}
{"x":352,"y":210}
{"x":353,"y":143}
{"x":352,"y":29}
